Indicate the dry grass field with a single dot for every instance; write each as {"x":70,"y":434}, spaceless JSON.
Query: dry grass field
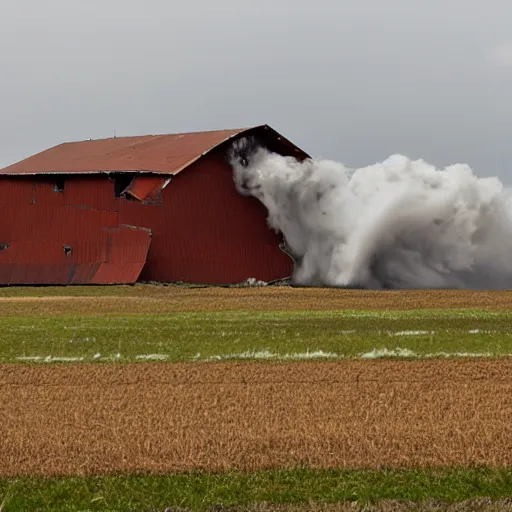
{"x":113,"y":432}
{"x":157,"y":418}
{"x":162,"y":299}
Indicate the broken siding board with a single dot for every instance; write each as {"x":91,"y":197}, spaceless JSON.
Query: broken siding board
{"x":35,"y":273}
{"x":89,"y":251}
{"x":118,"y":273}
{"x":144,"y":188}
{"x":114,"y":257}
{"x":128,"y":245}
{"x":83,"y":273}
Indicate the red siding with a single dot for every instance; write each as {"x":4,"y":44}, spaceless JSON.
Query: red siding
{"x":150,"y":216}
{"x":202,"y":232}
{"x":113,"y":258}
{"x":127,"y":245}
{"x":213,"y":234}
{"x":117,"y":273}
{"x":95,"y":193}
{"x":57,"y":223}
{"x":50,"y":242}
{"x":16,"y":191}
{"x":45,"y":194}
{"x":85,"y":273}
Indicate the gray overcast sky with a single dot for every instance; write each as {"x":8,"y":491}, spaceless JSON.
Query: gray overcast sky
{"x":348,"y":80}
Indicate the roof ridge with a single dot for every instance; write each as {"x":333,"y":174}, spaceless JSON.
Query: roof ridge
{"x":159,"y":135}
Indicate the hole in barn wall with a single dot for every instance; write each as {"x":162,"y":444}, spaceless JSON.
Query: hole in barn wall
{"x":5,"y":246}
{"x":129,"y":197}
{"x":67,"y":250}
{"x":59,"y":185}
{"x":121,"y":183}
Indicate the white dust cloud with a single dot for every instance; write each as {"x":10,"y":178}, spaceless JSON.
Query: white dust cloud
{"x":395,"y":224}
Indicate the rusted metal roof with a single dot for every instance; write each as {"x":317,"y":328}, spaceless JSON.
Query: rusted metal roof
{"x":162,"y":154}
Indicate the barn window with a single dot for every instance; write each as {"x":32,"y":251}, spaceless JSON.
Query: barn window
{"x":121,"y":183}
{"x":4,"y":247}
{"x":67,"y":250}
{"x":59,"y":185}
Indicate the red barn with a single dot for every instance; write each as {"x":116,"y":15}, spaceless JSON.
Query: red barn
{"x":152,"y":208}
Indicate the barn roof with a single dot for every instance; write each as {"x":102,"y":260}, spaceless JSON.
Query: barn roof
{"x":160,"y":154}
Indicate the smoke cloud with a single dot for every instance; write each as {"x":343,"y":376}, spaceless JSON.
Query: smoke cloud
{"x":395,"y":224}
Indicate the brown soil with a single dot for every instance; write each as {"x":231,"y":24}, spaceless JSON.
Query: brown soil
{"x":248,"y":416}
{"x":159,"y":299}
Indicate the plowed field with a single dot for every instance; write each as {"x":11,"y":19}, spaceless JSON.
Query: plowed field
{"x":156,"y":418}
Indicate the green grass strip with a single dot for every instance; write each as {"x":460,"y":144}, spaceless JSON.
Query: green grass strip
{"x":201,"y":491}
{"x":254,"y":335}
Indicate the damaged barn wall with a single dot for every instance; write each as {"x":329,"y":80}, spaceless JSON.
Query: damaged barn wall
{"x":197,"y":229}
{"x":205,"y":232}
{"x":212,"y":234}
{"x":73,"y":236}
